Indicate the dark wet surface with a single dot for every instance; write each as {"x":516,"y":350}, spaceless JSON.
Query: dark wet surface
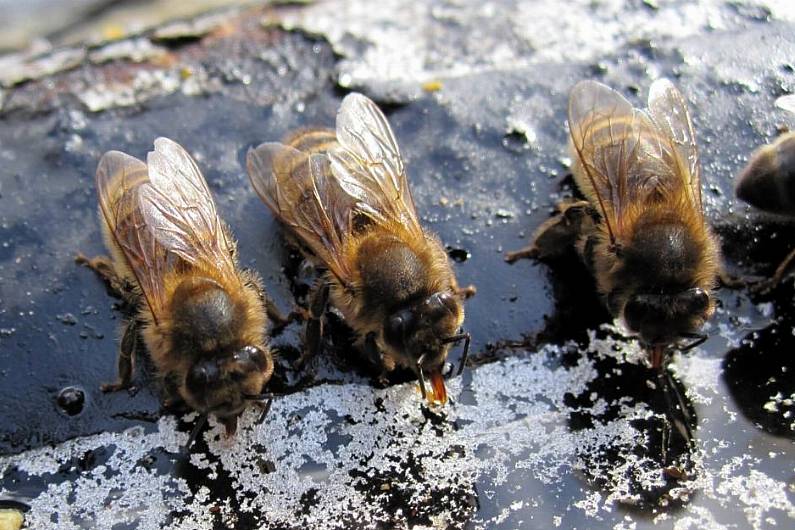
{"x":482,"y":188}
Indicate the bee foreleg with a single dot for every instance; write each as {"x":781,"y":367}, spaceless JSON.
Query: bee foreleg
{"x":125,"y":361}
{"x":372,"y":351}
{"x":314,"y":326}
{"x":556,"y":235}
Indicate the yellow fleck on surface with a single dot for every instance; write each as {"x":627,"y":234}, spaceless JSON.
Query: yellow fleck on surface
{"x":432,"y":86}
{"x":113,"y":31}
{"x":11,"y":519}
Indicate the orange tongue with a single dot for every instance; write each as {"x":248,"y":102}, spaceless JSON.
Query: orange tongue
{"x":438,"y":393}
{"x":657,"y":356}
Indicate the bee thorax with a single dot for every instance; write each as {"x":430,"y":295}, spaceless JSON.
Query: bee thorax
{"x":205,"y":318}
{"x":391,"y":272}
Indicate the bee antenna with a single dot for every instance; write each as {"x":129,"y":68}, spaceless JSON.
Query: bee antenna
{"x":699,"y":339}
{"x":420,"y":375}
{"x":466,"y":337}
{"x":265,"y":409}
{"x":195,"y":432}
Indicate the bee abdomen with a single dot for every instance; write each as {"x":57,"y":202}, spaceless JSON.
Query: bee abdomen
{"x":312,"y":140}
{"x":768,"y":181}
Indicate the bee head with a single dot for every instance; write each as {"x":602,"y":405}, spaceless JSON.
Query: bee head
{"x":665,"y":318}
{"x":222,"y":386}
{"x":421,"y":331}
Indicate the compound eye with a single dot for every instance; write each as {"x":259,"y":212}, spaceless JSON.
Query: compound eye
{"x":697,"y":300}
{"x":439,"y":304}
{"x":250,"y":356}
{"x":398,"y":326}
{"x":449,"y":301}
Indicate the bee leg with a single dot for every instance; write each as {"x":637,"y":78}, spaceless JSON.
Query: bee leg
{"x":314,"y":326}
{"x":278,"y":320}
{"x":782,"y":270}
{"x":372,"y":351}
{"x":466,"y":292}
{"x":557,"y":234}
{"x":125,"y":360}
{"x":172,"y":401}
{"x":103,"y":267}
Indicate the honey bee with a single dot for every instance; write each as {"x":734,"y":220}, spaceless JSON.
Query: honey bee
{"x":345,"y":199}
{"x":768,"y":183}
{"x":641,"y":230}
{"x":201,"y":317}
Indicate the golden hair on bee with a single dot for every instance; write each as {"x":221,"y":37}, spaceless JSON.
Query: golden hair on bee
{"x":641,"y":229}
{"x":344,"y":197}
{"x":200,"y":316}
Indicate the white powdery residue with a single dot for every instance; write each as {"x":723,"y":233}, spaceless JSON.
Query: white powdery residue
{"x":141,"y":498}
{"x":337,"y":453}
{"x":623,"y":349}
{"x":518,"y":125}
{"x":759,"y":494}
{"x":697,"y":518}
{"x":145,"y":84}
{"x":408,"y":43}
{"x":590,"y":504}
{"x":765,"y":309}
{"x":729,"y":332}
{"x":626,"y":524}
{"x":136,"y":50}
{"x":700,"y":376}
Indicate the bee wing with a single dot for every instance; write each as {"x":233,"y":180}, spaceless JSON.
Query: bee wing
{"x":619,"y":149}
{"x":668,"y":110}
{"x":368,"y":166}
{"x":119,"y":179}
{"x":300,"y":190}
{"x":179,"y":210}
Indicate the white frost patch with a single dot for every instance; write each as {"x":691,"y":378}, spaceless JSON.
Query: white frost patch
{"x":345,"y":453}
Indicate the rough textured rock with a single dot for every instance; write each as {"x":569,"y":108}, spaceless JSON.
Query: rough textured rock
{"x":556,"y":424}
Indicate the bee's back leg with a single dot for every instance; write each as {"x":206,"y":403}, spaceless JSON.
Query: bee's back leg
{"x":314,"y":326}
{"x":556,"y":235}
{"x":126,"y":359}
{"x":784,"y":268}
{"x":103,"y":267}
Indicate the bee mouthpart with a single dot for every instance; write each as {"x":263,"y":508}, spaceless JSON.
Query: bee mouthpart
{"x":230,"y":424}
{"x":438,"y":394}
{"x":657,"y":355}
